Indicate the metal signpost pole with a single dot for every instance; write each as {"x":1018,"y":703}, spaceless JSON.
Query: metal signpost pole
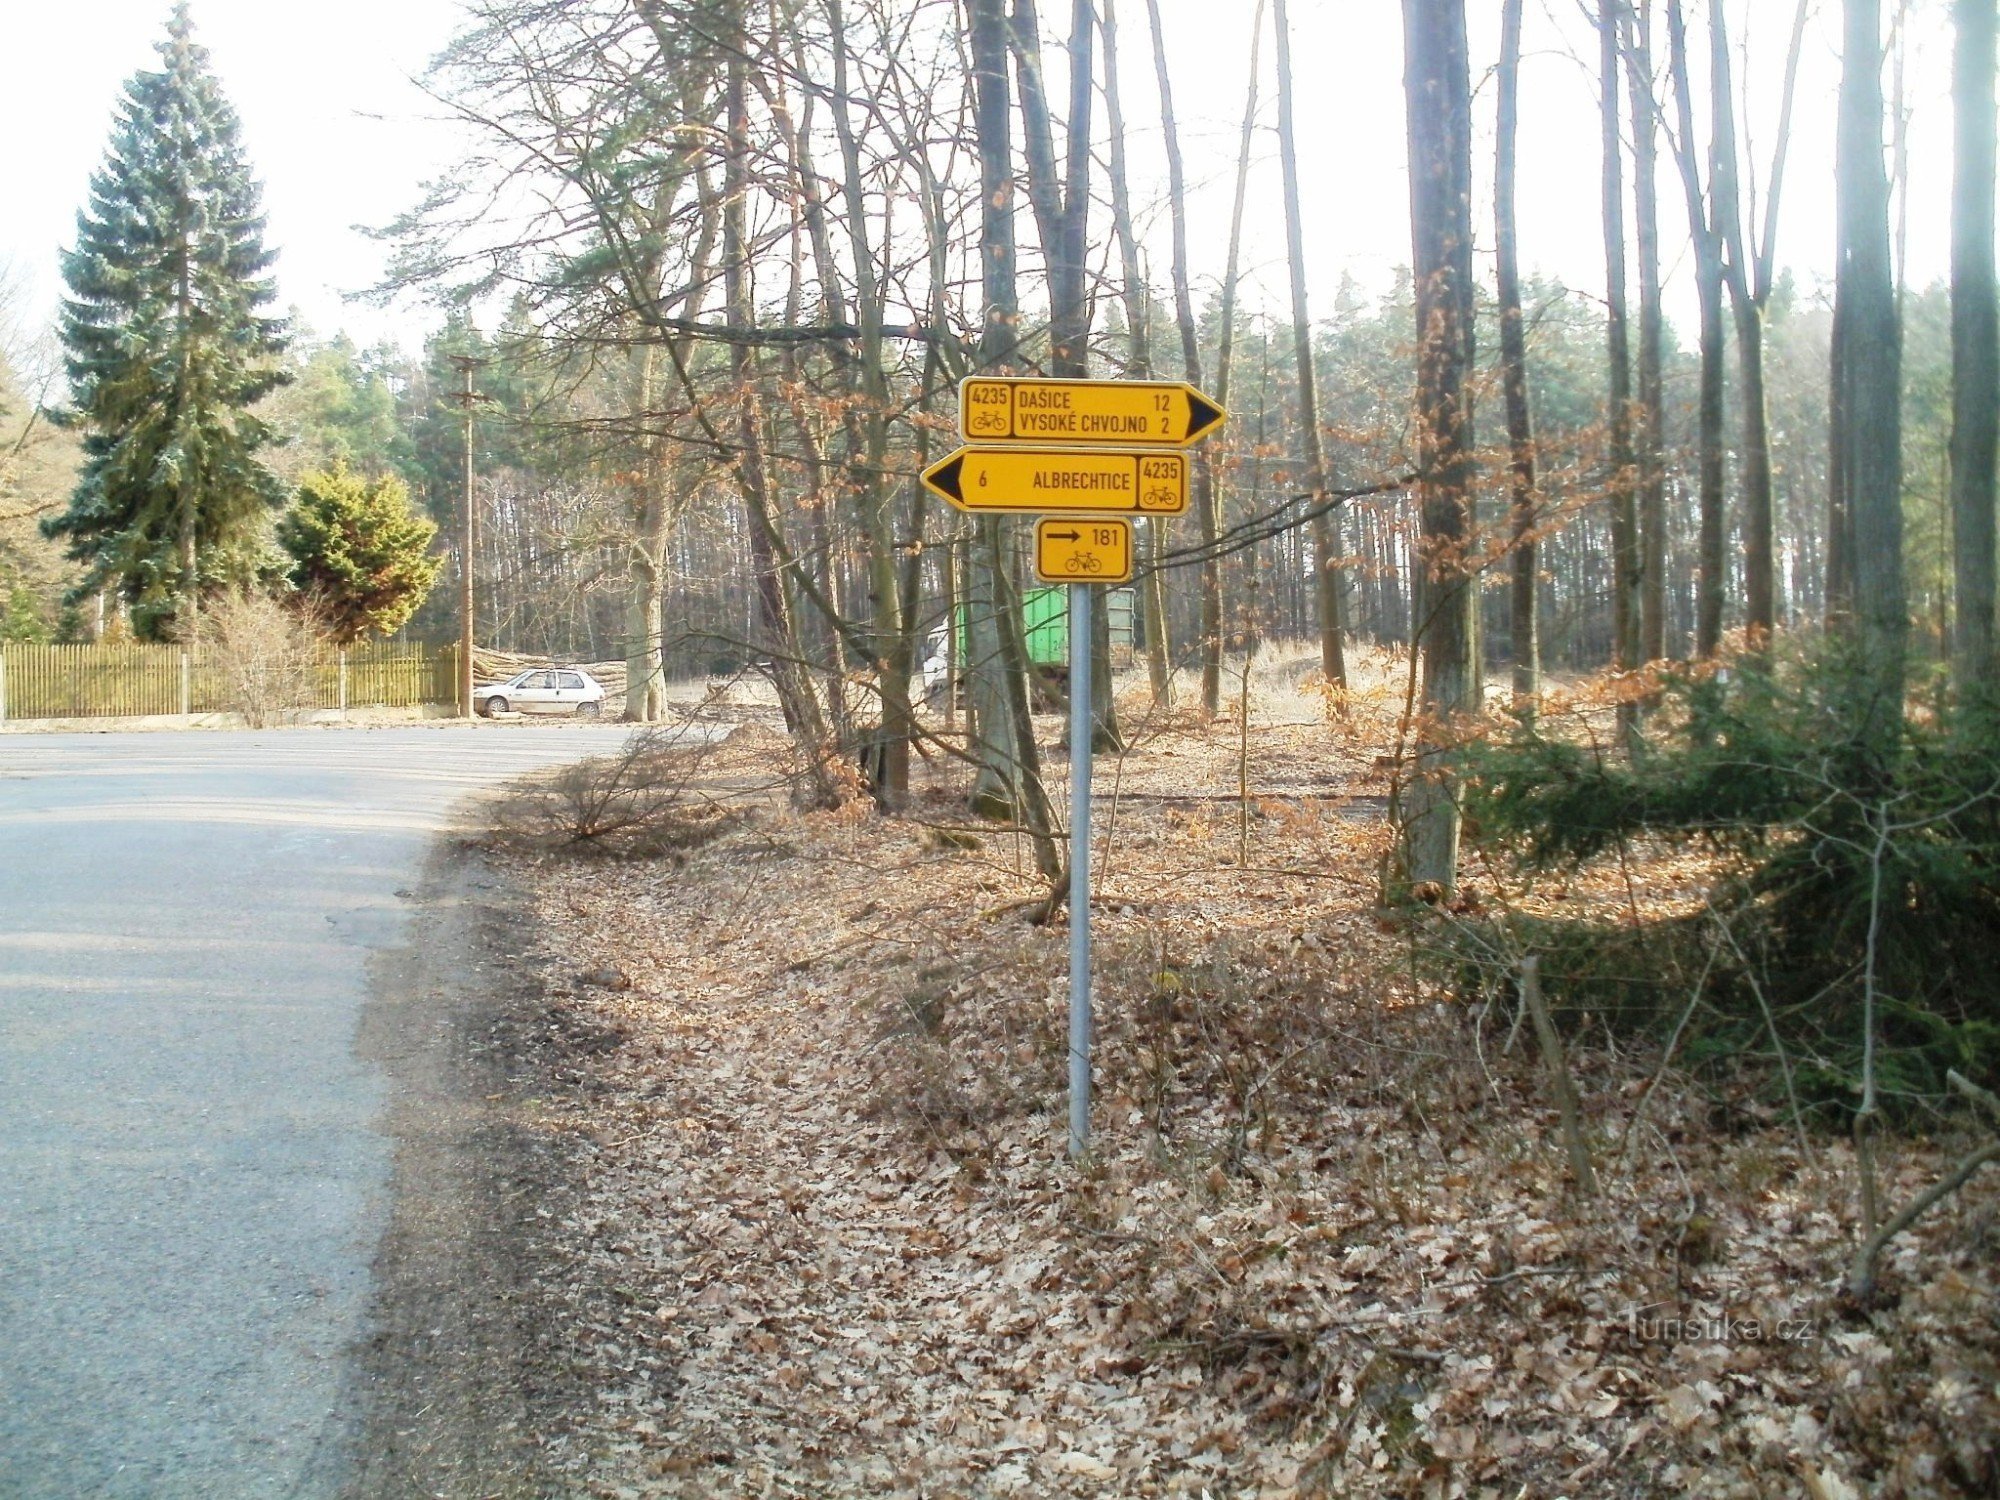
{"x":1080,"y":725}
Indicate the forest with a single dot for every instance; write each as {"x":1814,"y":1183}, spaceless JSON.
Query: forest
{"x":651,"y":241}
{"x":842,"y":224}
{"x":1643,"y":628}
{"x":578,"y":297}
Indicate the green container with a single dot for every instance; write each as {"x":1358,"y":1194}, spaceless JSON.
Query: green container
{"x":1045,"y":622}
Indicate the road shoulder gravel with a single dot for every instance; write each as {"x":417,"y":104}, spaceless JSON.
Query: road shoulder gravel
{"x":458,"y":1385}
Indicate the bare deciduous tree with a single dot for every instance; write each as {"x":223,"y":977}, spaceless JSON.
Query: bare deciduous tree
{"x":1328,"y":583}
{"x":1438,"y":91}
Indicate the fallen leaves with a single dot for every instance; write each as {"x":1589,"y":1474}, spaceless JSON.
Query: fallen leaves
{"x":825,"y":1241}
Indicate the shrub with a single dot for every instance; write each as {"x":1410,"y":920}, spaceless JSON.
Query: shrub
{"x":635,"y":804}
{"x":360,"y":551}
{"x":267,"y":655}
{"x":21,"y":620}
{"x":1858,"y":863}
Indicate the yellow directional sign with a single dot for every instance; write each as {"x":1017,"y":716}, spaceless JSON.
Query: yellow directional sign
{"x":1074,"y":549}
{"x":1094,"y":413}
{"x":1040,"y":480}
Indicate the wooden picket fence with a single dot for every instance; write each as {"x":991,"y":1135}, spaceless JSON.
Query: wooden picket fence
{"x":129,"y":678}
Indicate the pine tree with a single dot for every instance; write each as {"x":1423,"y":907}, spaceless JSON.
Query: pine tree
{"x":359,"y":552}
{"x":168,"y":350}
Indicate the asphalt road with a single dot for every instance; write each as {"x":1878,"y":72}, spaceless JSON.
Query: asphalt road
{"x":193,"y":1178}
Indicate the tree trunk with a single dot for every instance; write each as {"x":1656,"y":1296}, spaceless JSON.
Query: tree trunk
{"x":889,"y":647}
{"x":1748,"y":299}
{"x":1438,"y":91}
{"x":1009,"y":784}
{"x":824,"y":641}
{"x":660,"y":491}
{"x":1975,"y":351}
{"x":645,"y":700}
{"x":1625,"y":560}
{"x":1139,"y":355}
{"x":1152,"y":619}
{"x":996,"y":790}
{"x":1760,"y":553}
{"x":645,"y":697}
{"x":1327,"y":579}
{"x":1061,"y":204}
{"x":1838,"y":605}
{"x":1226,"y":346}
{"x":187,"y":489}
{"x":1710,"y":565}
{"x":1524,"y":621}
{"x":1899,"y":150}
{"x":1867,"y":439}
{"x":1204,"y":467}
{"x":1256,"y":608}
{"x":1649,"y":449}
{"x":1062,"y":215}
{"x":795,"y":692}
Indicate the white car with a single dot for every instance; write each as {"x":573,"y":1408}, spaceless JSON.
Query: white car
{"x":542,"y":690}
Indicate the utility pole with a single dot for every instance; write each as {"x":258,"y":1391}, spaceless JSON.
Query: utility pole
{"x":466,"y":364}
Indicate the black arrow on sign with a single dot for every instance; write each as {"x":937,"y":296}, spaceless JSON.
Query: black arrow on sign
{"x":1067,"y":536}
{"x":1202,"y":415}
{"x":947,"y":476}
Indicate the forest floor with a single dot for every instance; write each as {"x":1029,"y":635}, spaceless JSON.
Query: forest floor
{"x":821,"y":1237}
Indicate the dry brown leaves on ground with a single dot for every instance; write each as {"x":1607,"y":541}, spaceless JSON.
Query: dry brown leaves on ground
{"x":826,"y":1243}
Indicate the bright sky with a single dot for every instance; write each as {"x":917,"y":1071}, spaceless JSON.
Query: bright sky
{"x":331,"y":121}
{"x":342,"y":138}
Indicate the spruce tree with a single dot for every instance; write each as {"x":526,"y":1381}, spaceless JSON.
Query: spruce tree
{"x":360,"y":554}
{"x":168,"y":350}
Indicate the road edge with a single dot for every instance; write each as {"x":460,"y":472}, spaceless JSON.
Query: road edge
{"x":455,"y":1382}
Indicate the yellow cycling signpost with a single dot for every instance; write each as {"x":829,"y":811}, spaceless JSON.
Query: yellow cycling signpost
{"x":1038,"y":480}
{"x":1071,"y":549}
{"x":1093,"y":413}
{"x":1084,"y":456}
